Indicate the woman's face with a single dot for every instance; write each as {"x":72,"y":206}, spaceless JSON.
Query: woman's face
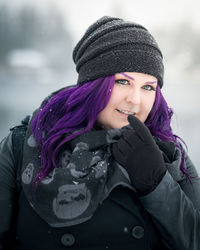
{"x":133,"y":94}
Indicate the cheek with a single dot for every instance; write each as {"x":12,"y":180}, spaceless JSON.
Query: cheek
{"x":150,"y":105}
{"x":147,"y":107}
{"x":149,"y":100}
{"x":103,"y":118}
{"x":106,"y":116}
{"x":112,"y":103}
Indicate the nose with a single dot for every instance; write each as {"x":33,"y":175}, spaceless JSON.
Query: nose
{"x":133,"y":96}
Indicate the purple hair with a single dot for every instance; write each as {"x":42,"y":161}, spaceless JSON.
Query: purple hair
{"x":69,"y":113}
{"x":159,"y":121}
{"x":73,"y":111}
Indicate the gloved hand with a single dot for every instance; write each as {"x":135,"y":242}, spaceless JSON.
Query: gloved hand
{"x":172,"y":157}
{"x":138,"y":153}
{"x":168,"y":149}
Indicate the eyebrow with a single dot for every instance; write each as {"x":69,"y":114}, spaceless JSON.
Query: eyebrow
{"x":152,"y":82}
{"x":127,"y":76}
{"x":130,"y":77}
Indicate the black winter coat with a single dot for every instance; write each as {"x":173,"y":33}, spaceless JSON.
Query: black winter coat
{"x":121,"y":221}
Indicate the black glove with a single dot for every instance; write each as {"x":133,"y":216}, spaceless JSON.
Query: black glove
{"x":168,"y":149}
{"x":137,"y":151}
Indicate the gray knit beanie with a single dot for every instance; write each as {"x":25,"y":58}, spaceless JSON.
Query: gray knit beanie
{"x":112,"y":45}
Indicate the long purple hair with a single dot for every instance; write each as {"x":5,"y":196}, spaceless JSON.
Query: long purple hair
{"x":74,"y":110}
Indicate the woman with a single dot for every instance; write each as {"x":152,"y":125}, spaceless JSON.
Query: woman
{"x":101,"y":167}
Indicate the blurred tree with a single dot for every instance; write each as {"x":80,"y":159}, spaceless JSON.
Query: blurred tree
{"x":7,"y":32}
{"x":31,"y":28}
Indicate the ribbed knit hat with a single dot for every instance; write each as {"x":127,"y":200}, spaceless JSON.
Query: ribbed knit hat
{"x":112,"y":45}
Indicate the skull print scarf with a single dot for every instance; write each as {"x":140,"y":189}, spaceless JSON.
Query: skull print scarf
{"x":85,"y":176}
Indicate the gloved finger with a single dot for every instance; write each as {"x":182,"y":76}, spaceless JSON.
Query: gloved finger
{"x":131,"y":137}
{"x":128,"y":136}
{"x":123,"y":146}
{"x":118,"y":155}
{"x":141,"y":130}
{"x":168,"y":148}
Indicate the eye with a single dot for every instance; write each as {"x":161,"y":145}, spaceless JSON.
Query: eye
{"x":149,"y":87}
{"x":122,"y":81}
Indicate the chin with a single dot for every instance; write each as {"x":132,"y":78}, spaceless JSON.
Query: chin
{"x":121,"y":125}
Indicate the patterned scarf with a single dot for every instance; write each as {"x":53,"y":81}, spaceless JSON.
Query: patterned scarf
{"x":85,"y":176}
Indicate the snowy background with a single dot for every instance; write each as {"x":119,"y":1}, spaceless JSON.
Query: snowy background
{"x":37,"y":39}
